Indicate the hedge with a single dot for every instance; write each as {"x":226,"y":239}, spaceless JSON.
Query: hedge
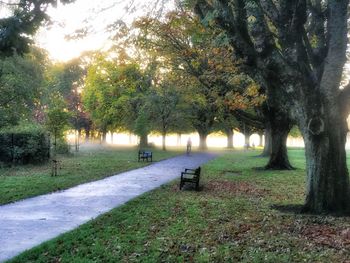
{"x":24,"y":145}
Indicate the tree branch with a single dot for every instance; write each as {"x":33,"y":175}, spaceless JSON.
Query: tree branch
{"x":315,"y":32}
{"x":344,"y":100}
{"x":270,"y":10}
{"x":9,"y":4}
{"x":249,"y":119}
{"x":336,"y":55}
{"x":227,"y":21}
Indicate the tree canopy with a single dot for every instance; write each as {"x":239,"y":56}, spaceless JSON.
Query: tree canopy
{"x":297,"y":50}
{"x":23,"y":20}
{"x":203,"y":63}
{"x":21,"y":82}
{"x":115,"y":95}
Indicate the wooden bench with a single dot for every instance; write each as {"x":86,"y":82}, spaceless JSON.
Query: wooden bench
{"x":190,"y":176}
{"x":145,"y":156}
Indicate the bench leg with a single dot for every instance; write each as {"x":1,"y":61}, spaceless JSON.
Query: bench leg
{"x":197,"y":186}
{"x":181,"y":185}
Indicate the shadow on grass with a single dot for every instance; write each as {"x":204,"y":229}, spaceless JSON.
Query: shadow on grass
{"x":260,"y":156}
{"x":191,"y":188}
{"x":265,"y":169}
{"x":290,"y":208}
{"x":299,"y":209}
{"x":259,"y":169}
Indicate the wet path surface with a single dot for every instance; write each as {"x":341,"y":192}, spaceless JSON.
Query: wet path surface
{"x":30,"y":222}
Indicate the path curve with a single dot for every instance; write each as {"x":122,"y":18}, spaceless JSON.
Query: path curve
{"x":28,"y":223}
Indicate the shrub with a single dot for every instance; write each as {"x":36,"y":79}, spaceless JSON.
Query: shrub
{"x":24,"y":144}
{"x":62,"y":146}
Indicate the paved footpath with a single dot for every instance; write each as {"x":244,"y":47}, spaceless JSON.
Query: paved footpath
{"x":28,"y":223}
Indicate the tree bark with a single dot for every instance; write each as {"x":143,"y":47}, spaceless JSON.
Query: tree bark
{"x":87,"y":135}
{"x":144,"y":140}
{"x":279,"y":125}
{"x":261,"y":140}
{"x":203,"y":140}
{"x":246,"y":140}
{"x":178,"y":142}
{"x":267,"y":146}
{"x":164,"y":141}
{"x":77,"y":140}
{"x":229,"y":134}
{"x":130,"y":138}
{"x":327,"y":173}
{"x":112,"y":140}
{"x":104,"y":137}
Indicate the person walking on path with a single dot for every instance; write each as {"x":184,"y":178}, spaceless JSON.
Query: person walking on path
{"x":189,"y":146}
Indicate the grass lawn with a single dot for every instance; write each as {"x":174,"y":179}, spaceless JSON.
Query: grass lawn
{"x":90,"y":164}
{"x":241,"y":214}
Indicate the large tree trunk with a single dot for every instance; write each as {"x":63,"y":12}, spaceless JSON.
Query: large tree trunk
{"x":280,"y":126}
{"x":267,"y":146}
{"x":112,"y":139}
{"x":144,"y":140}
{"x":178,"y":142}
{"x":77,"y":140}
{"x":164,"y":141}
{"x":229,"y":134}
{"x":246,"y":140}
{"x":203,"y":140}
{"x":104,"y":137}
{"x":130,"y":138}
{"x":87,"y":135}
{"x":261,"y":140}
{"x":327,"y":173}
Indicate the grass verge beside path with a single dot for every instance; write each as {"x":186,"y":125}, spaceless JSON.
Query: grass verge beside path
{"x":232,"y":219}
{"x":90,"y":164}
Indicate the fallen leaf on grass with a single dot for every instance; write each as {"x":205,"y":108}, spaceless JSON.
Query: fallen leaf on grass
{"x":242,"y":188}
{"x":325,"y":235}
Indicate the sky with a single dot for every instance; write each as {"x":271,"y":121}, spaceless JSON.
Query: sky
{"x":92,"y":15}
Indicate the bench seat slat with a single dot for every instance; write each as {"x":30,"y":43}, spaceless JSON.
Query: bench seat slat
{"x":190,"y":176}
{"x":145,"y":156}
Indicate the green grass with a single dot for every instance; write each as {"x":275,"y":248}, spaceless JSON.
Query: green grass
{"x":232,"y":219}
{"x":90,"y":164}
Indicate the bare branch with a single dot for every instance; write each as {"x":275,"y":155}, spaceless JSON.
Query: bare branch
{"x":270,"y":10}
{"x":9,"y":3}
